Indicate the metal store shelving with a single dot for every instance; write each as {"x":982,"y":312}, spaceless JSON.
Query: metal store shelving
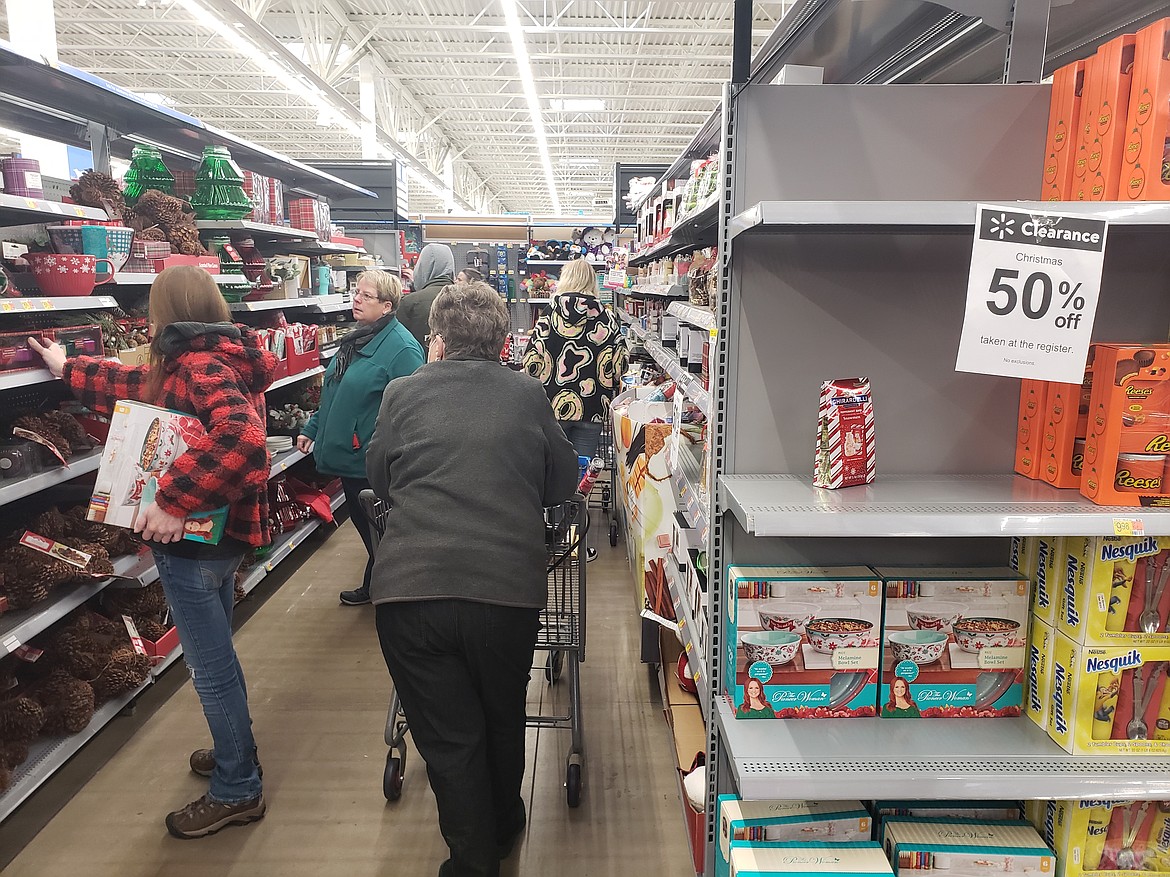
{"x":924,"y":505}
{"x":36,"y":304}
{"x":882,"y":758}
{"x":686,"y":630}
{"x":687,"y":382}
{"x":292,"y":379}
{"x":700,"y":317}
{"x":49,"y":754}
{"x":83,"y":463}
{"x":25,"y":378}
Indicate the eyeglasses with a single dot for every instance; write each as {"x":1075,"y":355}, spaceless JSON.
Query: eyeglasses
{"x":366,"y":296}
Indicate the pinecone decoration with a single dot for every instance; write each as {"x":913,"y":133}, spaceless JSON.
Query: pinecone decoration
{"x":49,"y":523}
{"x":24,"y":593}
{"x":68,"y":703}
{"x":69,"y":427}
{"x":13,"y":753}
{"x":99,"y":563}
{"x":151,"y":630}
{"x":184,"y":239}
{"x":93,"y":189}
{"x":21,"y":718}
{"x":80,"y":652}
{"x":5,"y":778}
{"x":153,"y":233}
{"x":47,"y":430}
{"x":125,"y":671}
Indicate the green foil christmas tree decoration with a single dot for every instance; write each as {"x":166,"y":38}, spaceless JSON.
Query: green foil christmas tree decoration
{"x":219,"y":187}
{"x":146,"y":171}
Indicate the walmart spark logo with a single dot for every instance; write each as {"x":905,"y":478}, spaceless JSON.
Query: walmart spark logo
{"x":1001,"y":226}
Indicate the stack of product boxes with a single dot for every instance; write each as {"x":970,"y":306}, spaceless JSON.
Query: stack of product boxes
{"x":1109,"y":437}
{"x":900,"y":642}
{"x":887,"y":837}
{"x":1100,"y":838}
{"x":1109,"y":122}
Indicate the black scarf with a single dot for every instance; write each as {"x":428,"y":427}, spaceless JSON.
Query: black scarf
{"x":176,"y":337}
{"x":355,"y":341}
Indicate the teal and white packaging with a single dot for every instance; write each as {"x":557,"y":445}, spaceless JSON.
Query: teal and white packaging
{"x":965,"y":846}
{"x":852,"y":859}
{"x":802,"y":642}
{"x":772,"y":822}
{"x":986,"y":811}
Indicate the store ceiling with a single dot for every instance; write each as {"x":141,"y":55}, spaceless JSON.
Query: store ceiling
{"x":445,"y":76}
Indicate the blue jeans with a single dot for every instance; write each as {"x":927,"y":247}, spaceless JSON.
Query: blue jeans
{"x":584,"y":435}
{"x":201,"y":594}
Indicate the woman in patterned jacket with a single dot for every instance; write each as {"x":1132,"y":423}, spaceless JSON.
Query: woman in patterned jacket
{"x":201,"y":364}
{"x":577,"y":352}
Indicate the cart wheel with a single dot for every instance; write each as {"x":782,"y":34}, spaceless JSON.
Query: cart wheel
{"x":613,"y":534}
{"x":573,"y":784}
{"x":553,"y":666}
{"x":392,"y":777}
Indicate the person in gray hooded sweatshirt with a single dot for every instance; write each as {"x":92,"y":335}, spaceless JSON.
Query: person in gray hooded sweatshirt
{"x":434,"y":270}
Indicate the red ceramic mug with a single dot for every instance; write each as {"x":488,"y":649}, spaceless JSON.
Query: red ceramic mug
{"x":59,"y":274}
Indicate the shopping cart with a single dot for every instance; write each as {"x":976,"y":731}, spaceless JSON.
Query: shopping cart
{"x":562,"y":635}
{"x":604,"y":489}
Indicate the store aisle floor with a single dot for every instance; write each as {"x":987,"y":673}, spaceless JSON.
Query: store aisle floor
{"x":319,"y":692}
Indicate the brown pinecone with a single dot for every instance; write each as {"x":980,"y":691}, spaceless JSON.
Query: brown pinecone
{"x":68,"y":426}
{"x":13,"y":753}
{"x":185,"y":240}
{"x":68,"y":703}
{"x":50,"y":523}
{"x":5,"y":778}
{"x":125,"y":671}
{"x":150,"y":629}
{"x":21,"y":718}
{"x":47,"y":430}
{"x":80,"y":652}
{"x":92,"y":189}
{"x":23,"y":593}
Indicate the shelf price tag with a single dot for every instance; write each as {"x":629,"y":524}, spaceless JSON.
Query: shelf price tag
{"x":1031,"y":294}
{"x":1129,"y":527}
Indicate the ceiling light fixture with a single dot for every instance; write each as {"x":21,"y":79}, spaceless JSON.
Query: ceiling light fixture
{"x":528,"y":83}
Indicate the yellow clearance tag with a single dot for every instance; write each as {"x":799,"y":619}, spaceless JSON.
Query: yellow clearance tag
{"x":1128,"y":527}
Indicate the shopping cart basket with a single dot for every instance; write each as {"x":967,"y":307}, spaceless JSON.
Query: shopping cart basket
{"x":562,"y":635}
{"x":604,"y":489}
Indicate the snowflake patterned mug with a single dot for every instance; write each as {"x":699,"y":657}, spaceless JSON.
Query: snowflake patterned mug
{"x":60,"y":274}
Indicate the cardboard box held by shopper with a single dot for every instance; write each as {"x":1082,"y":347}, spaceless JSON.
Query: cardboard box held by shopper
{"x":143,"y":443}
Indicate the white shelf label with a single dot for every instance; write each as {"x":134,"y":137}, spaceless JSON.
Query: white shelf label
{"x":1031,"y":294}
{"x":11,"y":644}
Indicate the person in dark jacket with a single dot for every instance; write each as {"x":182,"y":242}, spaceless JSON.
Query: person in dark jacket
{"x":434,"y":269}
{"x":467,"y":454}
{"x":379,"y":350}
{"x":201,"y":364}
{"x":576,"y":351}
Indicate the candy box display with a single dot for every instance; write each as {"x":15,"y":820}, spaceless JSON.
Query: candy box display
{"x":1109,"y":699}
{"x":1022,"y":556}
{"x":1111,"y":837}
{"x":953,"y":644}
{"x":1115,"y":591}
{"x":761,"y":860}
{"x":143,"y":442}
{"x":78,"y":340}
{"x":802,"y":642}
{"x":1029,"y":420}
{"x":965,"y":847}
{"x":1038,"y":685}
{"x":1129,"y":424}
{"x":757,"y":822}
{"x":15,"y":352}
{"x":1047,"y":576}
{"x":1064,"y":429}
{"x":845,"y":434}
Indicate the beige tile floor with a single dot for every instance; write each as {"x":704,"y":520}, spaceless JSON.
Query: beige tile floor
{"x":319,"y":690}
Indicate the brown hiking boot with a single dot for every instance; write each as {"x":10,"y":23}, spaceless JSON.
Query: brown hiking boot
{"x":205,"y":816}
{"x":203,"y":763}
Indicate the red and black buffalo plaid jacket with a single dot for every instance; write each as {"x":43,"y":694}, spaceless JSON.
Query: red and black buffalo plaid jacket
{"x":220,"y":380}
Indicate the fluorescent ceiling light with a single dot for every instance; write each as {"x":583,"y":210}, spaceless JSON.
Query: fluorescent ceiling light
{"x":588,"y":105}
{"x":520,"y":51}
{"x":580,"y":162}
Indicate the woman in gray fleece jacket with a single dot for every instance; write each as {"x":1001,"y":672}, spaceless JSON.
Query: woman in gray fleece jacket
{"x":468,"y":454}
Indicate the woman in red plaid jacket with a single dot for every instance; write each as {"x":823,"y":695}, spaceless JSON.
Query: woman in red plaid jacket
{"x":201,"y":364}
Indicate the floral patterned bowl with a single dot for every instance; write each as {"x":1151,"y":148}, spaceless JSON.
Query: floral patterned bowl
{"x":934,"y":614}
{"x":975,"y":634}
{"x":773,"y":647}
{"x":826,"y":635}
{"x":786,"y":615}
{"x":919,"y":646}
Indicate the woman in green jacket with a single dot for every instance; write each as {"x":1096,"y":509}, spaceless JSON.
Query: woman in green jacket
{"x":379,"y":350}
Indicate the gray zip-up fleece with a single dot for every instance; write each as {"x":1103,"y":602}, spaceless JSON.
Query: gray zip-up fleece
{"x":468,"y":454}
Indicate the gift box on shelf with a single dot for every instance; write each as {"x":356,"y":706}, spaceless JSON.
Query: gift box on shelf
{"x":1064,"y":116}
{"x":15,"y":353}
{"x":159,"y":649}
{"x":210,"y":264}
{"x":1115,"y":591}
{"x":256,"y":188}
{"x":143,"y":443}
{"x":1097,"y":170}
{"x":310,"y":214}
{"x":78,"y":340}
{"x":303,"y":350}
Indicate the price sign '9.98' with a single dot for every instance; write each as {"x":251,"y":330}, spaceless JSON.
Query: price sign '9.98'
{"x":1031,"y":294}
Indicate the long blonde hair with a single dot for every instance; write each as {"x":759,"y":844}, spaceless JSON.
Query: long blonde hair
{"x":578,"y":276}
{"x":182,"y":293}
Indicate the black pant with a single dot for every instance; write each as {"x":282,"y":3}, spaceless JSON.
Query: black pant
{"x":461,"y":670}
{"x":353,"y":487}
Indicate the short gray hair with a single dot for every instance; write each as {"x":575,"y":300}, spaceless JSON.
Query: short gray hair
{"x":386,"y":285}
{"x":473,"y":320}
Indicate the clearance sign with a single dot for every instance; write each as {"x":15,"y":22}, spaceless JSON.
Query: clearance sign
{"x":1031,"y":294}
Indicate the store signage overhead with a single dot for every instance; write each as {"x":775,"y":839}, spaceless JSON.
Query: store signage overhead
{"x":1031,"y":294}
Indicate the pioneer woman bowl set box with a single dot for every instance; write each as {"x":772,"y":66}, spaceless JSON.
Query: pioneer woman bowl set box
{"x":143,"y":443}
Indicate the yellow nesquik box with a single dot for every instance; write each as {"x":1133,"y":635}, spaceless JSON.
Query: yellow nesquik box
{"x":1048,"y":572}
{"x":1116,"y":590}
{"x":1038,"y":684}
{"x":1111,"y":838}
{"x":1109,"y":699}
